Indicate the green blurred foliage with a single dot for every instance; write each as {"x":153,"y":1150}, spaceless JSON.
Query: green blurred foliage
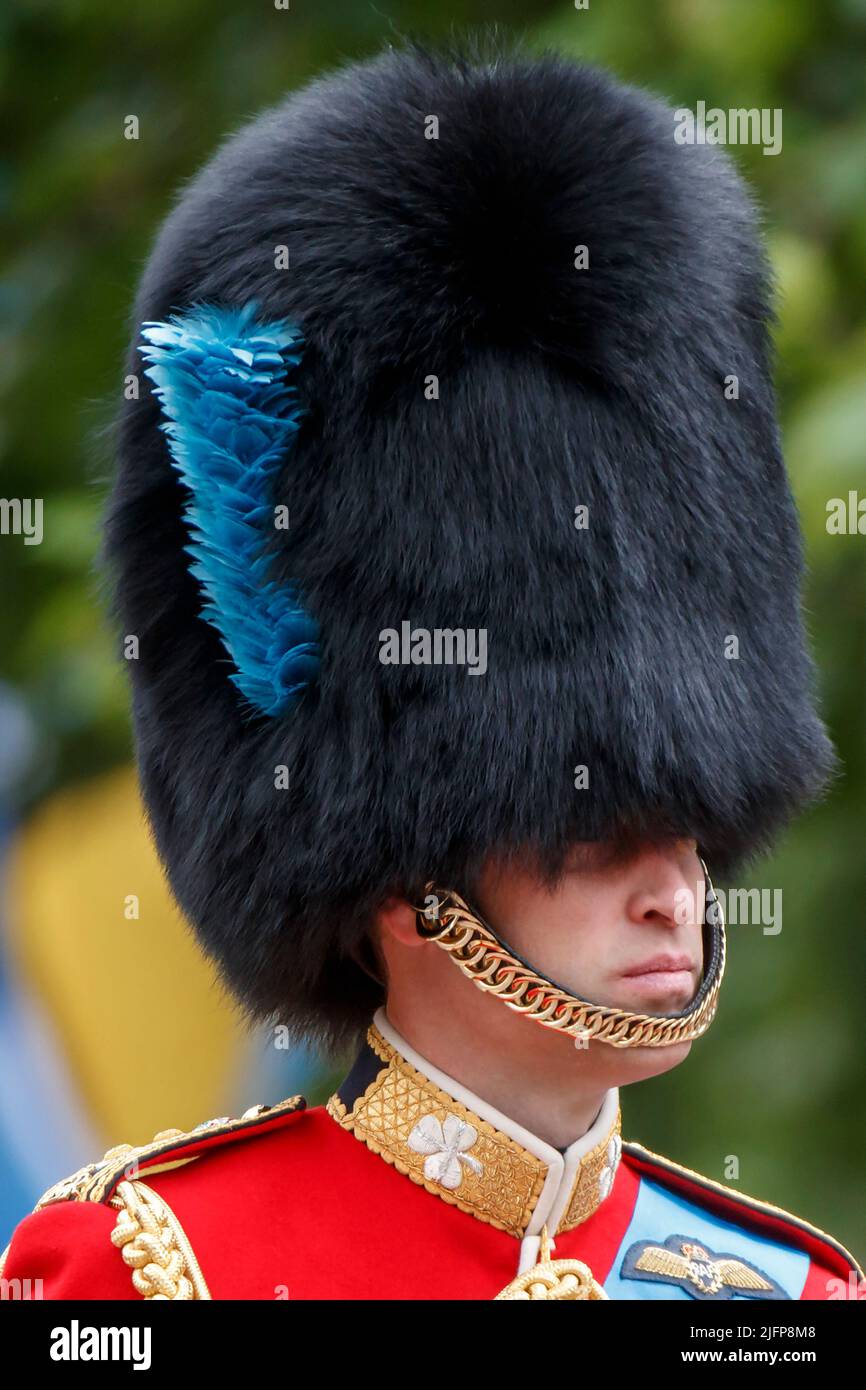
{"x":780,"y":1082}
{"x":783,"y":1067}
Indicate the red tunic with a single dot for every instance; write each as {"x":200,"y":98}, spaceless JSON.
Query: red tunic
{"x":379,"y":1196}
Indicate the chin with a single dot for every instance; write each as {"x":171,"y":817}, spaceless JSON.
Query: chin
{"x":624,"y":1065}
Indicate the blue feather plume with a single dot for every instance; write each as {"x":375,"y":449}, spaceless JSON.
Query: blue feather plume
{"x":232,"y":412}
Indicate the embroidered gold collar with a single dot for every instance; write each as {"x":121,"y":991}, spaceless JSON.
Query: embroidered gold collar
{"x":465,"y":1152}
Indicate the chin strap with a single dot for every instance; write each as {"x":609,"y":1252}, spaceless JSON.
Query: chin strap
{"x":492,"y":965}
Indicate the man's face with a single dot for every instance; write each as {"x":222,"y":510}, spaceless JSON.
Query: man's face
{"x":619,"y":929}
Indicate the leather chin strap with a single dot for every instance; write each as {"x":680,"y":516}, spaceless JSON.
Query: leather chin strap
{"x":495,"y":967}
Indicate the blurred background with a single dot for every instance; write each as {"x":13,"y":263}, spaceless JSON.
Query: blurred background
{"x":111,"y":1025}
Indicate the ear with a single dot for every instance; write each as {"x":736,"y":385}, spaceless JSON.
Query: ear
{"x":396,"y":919}
{"x":231,"y":411}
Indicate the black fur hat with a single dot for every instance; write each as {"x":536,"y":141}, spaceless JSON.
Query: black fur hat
{"x":467,"y":381}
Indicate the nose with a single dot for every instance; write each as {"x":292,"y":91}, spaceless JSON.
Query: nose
{"x":663,"y":884}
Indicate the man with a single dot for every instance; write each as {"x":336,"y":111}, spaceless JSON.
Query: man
{"x":463,"y":572}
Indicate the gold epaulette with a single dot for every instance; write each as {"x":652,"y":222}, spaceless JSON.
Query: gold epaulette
{"x":147,"y":1234}
{"x":753,"y":1205}
{"x":95,"y":1181}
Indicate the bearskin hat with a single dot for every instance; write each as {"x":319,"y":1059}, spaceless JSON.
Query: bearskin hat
{"x":462,"y":344}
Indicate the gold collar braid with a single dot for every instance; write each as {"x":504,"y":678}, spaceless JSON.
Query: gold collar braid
{"x":495,"y":967}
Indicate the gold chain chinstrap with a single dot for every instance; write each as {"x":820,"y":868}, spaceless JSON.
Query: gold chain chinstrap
{"x":490,"y":965}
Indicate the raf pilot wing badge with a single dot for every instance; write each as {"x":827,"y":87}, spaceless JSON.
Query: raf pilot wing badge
{"x":698,"y":1271}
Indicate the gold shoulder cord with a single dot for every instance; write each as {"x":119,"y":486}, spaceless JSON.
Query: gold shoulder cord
{"x":559,"y":1280}
{"x":476,"y":950}
{"x":155,"y":1247}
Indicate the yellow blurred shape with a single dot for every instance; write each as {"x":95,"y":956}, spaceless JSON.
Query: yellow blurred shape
{"x":147,"y":1031}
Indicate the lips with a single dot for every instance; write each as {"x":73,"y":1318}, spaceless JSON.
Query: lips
{"x":662,"y":982}
{"x":661,"y":965}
